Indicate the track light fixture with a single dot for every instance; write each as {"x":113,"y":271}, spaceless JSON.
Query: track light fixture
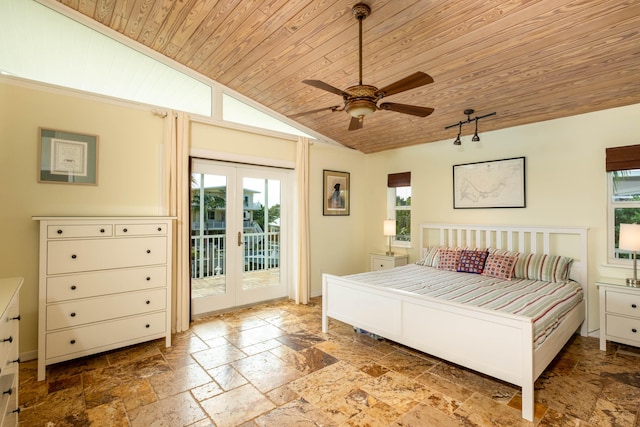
{"x":468,"y":112}
{"x":457,"y":141}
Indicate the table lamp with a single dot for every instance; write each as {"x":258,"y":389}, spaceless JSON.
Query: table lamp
{"x":630,"y":241}
{"x":390,"y":230}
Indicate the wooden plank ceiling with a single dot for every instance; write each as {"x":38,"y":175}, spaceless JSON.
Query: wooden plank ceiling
{"x":527,"y":60}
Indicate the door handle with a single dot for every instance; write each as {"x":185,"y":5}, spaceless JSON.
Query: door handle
{"x":239,"y":238}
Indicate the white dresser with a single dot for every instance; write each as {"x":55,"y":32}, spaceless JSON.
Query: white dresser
{"x":105,"y":283}
{"x":619,"y":312}
{"x":9,"y":351}
{"x":385,"y":262}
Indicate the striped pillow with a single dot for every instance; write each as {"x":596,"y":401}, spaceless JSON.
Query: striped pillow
{"x":449,"y":259}
{"x":430,"y":258}
{"x":500,"y":266}
{"x":548,"y":268}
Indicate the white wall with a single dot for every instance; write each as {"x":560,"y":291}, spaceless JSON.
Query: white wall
{"x":565,"y":179}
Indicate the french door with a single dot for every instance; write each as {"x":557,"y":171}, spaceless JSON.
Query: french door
{"x":239,"y":234}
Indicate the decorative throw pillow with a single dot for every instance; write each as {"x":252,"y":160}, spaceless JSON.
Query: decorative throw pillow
{"x":522,"y":265}
{"x":430,"y":258}
{"x":549,"y":268}
{"x":499,"y":266}
{"x":472,"y":261}
{"x":449,"y":259}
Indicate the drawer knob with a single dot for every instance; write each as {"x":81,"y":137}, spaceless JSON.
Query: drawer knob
{"x":9,"y":392}
{"x":159,"y":228}
{"x":73,"y":314}
{"x":148,"y":302}
{"x":73,"y":287}
{"x":634,"y":330}
{"x":10,"y":339}
{"x":15,"y":318}
{"x":148,"y":278}
{"x":59,"y":231}
{"x":634,"y":306}
{"x":74,"y":256}
{"x":147,"y":326}
{"x":16,"y":360}
{"x":16,"y":411}
{"x":102,"y":230}
{"x":124,"y":230}
{"x":148,"y":251}
{"x":72,"y":342}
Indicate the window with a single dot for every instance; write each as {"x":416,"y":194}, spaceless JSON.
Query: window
{"x":623,"y":168}
{"x":399,"y":206}
{"x":624,"y":207}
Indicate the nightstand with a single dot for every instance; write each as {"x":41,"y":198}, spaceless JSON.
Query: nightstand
{"x":619,"y":312}
{"x":385,"y":262}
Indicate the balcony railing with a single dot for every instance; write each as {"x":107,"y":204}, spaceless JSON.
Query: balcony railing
{"x":261,"y":252}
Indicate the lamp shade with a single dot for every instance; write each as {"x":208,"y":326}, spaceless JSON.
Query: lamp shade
{"x":389,"y":227}
{"x":629,"y":237}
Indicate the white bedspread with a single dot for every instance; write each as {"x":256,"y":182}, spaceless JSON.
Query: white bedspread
{"x":546,"y":303}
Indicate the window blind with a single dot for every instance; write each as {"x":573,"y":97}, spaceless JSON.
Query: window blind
{"x":402,"y":179}
{"x":623,"y":158}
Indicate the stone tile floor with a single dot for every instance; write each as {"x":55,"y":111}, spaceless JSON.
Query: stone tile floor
{"x":270,"y":365}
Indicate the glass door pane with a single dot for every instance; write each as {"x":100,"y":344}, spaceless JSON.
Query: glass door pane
{"x":210,"y":286}
{"x":261,"y":228}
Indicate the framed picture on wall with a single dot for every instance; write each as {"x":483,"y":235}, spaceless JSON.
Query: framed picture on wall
{"x":336,"y":193}
{"x":67,"y":157}
{"x":491,"y":184}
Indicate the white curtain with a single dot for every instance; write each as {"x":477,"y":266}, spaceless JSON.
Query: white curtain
{"x":177,"y":183}
{"x":302,"y":169}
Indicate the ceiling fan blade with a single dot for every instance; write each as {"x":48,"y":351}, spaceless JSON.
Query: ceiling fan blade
{"x":406,"y":109}
{"x":356,"y":123}
{"x":325,"y":86}
{"x":304,"y":113}
{"x":416,"y":79}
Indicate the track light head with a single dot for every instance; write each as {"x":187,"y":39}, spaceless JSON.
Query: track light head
{"x":476,"y":138}
{"x":457,"y":141}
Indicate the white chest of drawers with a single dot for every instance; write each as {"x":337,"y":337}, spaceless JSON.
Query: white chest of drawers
{"x":385,"y":262}
{"x":105,"y":283}
{"x":9,"y":356}
{"x":619,"y":312}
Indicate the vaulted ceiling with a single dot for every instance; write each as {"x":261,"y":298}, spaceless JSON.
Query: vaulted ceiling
{"x":527,"y":60}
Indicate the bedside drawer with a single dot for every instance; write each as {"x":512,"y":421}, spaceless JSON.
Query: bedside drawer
{"x":85,"y":339}
{"x":87,"y":255}
{"x":141,"y":229}
{"x":74,"y":231}
{"x":623,"y":303}
{"x":85,"y":285}
{"x":623,"y":327}
{"x":81,"y":312}
{"x":381,"y":264}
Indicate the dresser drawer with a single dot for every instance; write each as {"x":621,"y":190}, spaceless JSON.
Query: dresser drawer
{"x":75,"y":231}
{"x":85,"y":285}
{"x":84,"y":339}
{"x":141,"y":229}
{"x":68,"y":256}
{"x":84,"y":311}
{"x":627,"y":328}
{"x":623,"y":303}
{"x":381,"y":264}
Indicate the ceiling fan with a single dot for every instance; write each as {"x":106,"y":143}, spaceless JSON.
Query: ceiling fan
{"x":361,"y":100}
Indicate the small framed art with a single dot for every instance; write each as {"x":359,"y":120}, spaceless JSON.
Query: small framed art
{"x":336,"y":193}
{"x":67,"y":157}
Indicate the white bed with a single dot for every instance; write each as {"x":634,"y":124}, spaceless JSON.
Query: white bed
{"x":494,"y":343}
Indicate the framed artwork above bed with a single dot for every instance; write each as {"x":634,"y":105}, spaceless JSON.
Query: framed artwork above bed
{"x":490,"y":184}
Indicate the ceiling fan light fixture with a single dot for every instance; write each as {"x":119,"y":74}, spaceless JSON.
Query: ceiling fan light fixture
{"x":360,"y":108}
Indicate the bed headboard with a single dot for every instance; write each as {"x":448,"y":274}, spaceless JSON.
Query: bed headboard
{"x":565,"y":241}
